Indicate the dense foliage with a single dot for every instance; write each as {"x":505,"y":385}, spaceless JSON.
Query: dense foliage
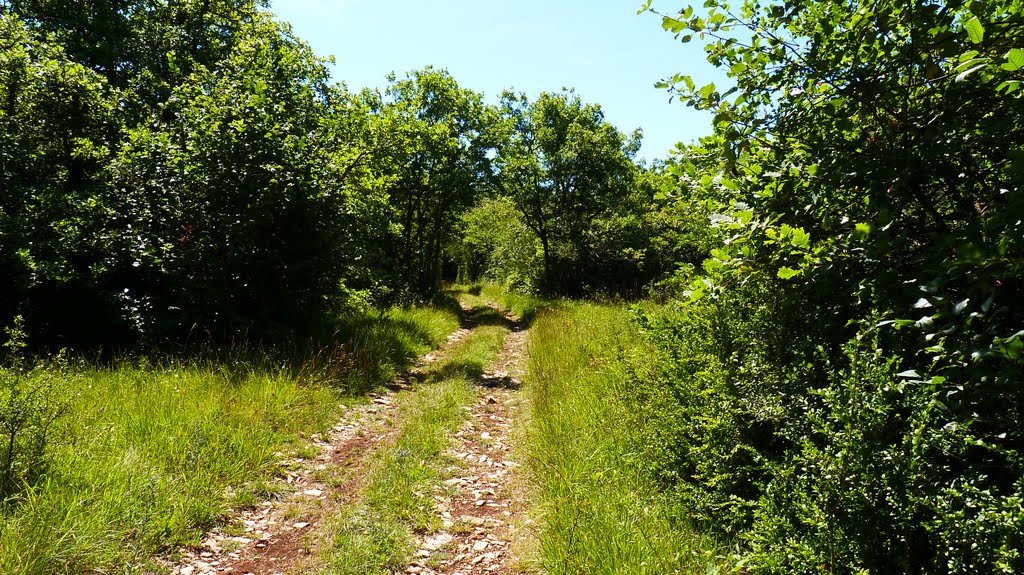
{"x":843,"y":389}
{"x":181,"y":169}
{"x":172,"y":169}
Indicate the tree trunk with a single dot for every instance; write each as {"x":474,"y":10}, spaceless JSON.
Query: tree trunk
{"x":548,"y":280}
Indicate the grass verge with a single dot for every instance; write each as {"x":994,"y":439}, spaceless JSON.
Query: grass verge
{"x":376,"y":348}
{"x":524,"y":307}
{"x":596,"y":511}
{"x":147,"y":457}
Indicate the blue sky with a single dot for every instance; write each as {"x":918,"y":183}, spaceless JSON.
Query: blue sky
{"x":602,"y":48}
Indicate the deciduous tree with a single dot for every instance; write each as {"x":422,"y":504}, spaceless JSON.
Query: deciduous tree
{"x":562,"y":164}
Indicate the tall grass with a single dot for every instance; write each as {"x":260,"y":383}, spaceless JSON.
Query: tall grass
{"x":597,"y":512}
{"x":144,"y":458}
{"x":375,"y":347}
{"x":523,"y":306}
{"x":150,"y":455}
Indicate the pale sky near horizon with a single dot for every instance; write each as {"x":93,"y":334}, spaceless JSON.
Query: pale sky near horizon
{"x":602,"y":48}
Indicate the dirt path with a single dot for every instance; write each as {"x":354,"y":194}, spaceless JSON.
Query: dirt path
{"x":480,"y":520}
{"x":272,"y":535}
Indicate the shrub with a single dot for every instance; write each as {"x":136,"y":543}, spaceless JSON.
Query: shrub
{"x":30,"y":402}
{"x":819,"y":459}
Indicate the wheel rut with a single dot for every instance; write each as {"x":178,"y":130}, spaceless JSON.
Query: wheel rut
{"x":478,"y":515}
{"x":481,"y":518}
{"x":273,"y":536}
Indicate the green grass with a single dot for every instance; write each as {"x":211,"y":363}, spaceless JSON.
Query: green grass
{"x":597,"y":512}
{"x":149,"y":456}
{"x":377,"y":347}
{"x":145,"y":458}
{"x":375,"y":534}
{"x":522,"y":306}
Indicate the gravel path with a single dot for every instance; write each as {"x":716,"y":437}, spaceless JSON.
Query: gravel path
{"x":480,"y":520}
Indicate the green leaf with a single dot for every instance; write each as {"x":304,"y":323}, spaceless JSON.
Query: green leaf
{"x":801,"y":239}
{"x":963,"y":75}
{"x":698,"y":289}
{"x":712,"y":265}
{"x":975,"y":31}
{"x":788,"y":273}
{"x":672,"y":25}
{"x":1009,"y":86}
{"x":961,"y":306}
{"x":1014,"y":60}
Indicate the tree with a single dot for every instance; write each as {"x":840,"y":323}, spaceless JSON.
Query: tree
{"x":495,"y":245}
{"x":563,"y":165}
{"x":870,"y":184}
{"x":57,"y":119}
{"x":144,"y":48}
{"x":239,"y":211}
{"x":431,"y":147}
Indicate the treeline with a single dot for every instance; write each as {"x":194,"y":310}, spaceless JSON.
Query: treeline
{"x":840,"y":389}
{"x":573,"y":214}
{"x":174,"y":170}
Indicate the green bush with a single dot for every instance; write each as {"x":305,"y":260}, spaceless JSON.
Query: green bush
{"x":816,"y":458}
{"x":31,"y":401}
